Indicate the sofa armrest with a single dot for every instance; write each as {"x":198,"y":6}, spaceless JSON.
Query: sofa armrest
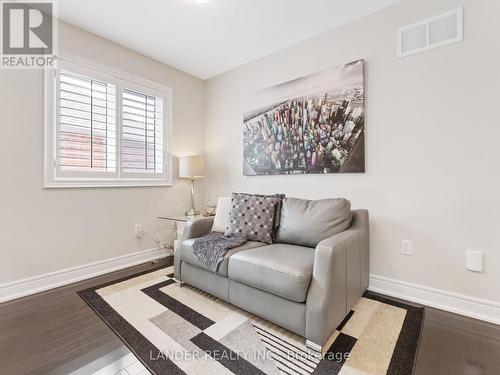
{"x":197,"y":228}
{"x":192,"y":229}
{"x":340,"y":276}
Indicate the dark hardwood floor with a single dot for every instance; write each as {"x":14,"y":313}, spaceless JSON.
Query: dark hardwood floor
{"x":41,"y":333}
{"x":55,"y":332}
{"x":456,"y":345}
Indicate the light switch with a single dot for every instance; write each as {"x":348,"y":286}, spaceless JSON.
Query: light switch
{"x":406,"y":247}
{"x":475,"y":261}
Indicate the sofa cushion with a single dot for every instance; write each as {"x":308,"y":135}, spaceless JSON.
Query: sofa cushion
{"x":188,"y":256}
{"x":222,"y":215}
{"x":280,"y":269}
{"x":305,"y":222}
{"x":252,"y":216}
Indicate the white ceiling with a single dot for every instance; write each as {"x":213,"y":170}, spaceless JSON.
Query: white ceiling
{"x":208,"y":39}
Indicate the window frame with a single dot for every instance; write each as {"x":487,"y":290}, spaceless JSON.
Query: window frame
{"x":53,"y":177}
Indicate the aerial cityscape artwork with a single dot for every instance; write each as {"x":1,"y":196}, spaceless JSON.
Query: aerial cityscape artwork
{"x":313,"y":124}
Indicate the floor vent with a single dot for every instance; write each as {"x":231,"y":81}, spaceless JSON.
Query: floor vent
{"x":431,"y":33}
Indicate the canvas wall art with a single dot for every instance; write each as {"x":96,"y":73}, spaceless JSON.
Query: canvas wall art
{"x":313,"y":124}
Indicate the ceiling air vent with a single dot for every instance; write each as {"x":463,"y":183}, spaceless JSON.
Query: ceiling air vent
{"x":431,"y":33}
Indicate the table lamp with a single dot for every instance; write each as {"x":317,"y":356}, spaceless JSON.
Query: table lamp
{"x":191,"y":167}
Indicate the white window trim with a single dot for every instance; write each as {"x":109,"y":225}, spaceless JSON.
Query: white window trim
{"x":120,"y":79}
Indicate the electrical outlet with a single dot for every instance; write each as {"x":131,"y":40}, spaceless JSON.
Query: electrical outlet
{"x":139,"y":231}
{"x":406,"y":247}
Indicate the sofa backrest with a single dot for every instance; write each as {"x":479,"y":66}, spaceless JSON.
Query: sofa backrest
{"x":307,"y":222}
{"x":302,"y":222}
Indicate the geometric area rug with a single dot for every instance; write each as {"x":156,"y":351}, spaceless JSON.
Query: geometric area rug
{"x":182,"y":330}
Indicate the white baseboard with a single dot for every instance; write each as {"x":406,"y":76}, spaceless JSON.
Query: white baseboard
{"x":457,"y":303}
{"x":36,"y":284}
{"x":477,"y":308}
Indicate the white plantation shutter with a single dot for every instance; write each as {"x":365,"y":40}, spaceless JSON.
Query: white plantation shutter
{"x":142,"y":132}
{"x":105,"y":128}
{"x":86,"y":138}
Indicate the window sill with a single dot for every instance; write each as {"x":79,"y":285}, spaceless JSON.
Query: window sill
{"x":63,"y":184}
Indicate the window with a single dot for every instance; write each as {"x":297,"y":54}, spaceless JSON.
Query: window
{"x":105,"y":128}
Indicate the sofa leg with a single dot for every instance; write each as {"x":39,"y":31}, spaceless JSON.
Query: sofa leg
{"x":181,"y":284}
{"x":313,"y":346}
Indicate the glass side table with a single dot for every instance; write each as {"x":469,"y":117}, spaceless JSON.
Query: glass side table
{"x":179,"y":223}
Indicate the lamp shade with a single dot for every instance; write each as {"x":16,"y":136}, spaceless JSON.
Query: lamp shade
{"x":191,"y":166}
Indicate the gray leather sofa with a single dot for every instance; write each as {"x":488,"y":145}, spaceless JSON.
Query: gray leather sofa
{"x":307,"y":290}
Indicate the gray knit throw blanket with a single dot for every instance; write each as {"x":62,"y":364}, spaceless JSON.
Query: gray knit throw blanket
{"x":211,"y":248}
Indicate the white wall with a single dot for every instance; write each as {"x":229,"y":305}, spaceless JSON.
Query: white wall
{"x":432,"y":134}
{"x":45,"y":230}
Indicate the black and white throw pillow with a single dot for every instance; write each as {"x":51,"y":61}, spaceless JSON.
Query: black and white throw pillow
{"x":252,"y":216}
{"x":277,"y":200}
